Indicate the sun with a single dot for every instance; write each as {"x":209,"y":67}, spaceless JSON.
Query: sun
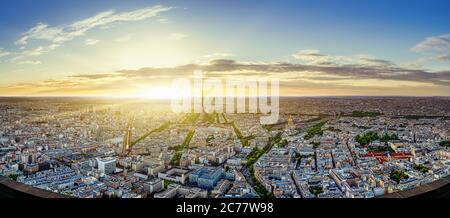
{"x":156,"y":92}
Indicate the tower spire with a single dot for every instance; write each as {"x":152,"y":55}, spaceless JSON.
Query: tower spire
{"x":203,"y":106}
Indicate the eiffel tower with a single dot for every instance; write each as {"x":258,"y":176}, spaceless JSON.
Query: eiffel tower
{"x":203,"y":106}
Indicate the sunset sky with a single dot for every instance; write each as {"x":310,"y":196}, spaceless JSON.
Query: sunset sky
{"x":136,"y":48}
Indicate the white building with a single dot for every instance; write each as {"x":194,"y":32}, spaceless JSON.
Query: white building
{"x":154,"y":185}
{"x":107,"y":165}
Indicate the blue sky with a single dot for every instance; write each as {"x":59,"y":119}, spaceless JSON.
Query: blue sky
{"x":246,"y":31}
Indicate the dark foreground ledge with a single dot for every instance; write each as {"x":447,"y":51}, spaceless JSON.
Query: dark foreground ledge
{"x":421,"y":190}
{"x":17,"y":189}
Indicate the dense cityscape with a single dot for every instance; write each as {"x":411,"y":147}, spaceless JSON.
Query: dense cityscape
{"x":323,"y":147}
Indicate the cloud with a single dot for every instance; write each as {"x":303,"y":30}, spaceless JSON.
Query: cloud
{"x":375,"y":61}
{"x":177,"y":36}
{"x":41,"y":32}
{"x":91,"y":41}
{"x":94,"y":76}
{"x":57,"y":35}
{"x":163,"y":20}
{"x":19,"y":57}
{"x":30,"y":62}
{"x":123,"y":39}
{"x":436,"y":48}
{"x":441,"y":57}
{"x":412,"y":65}
{"x":315,"y":57}
{"x":209,"y":57}
{"x":216,"y":55}
{"x":35,"y":52}
{"x":434,"y":44}
{"x":284,"y":71}
{"x":22,"y":58}
{"x":3,"y":53}
{"x":360,"y":77}
{"x":312,"y":57}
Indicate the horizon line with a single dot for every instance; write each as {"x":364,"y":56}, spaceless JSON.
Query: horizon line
{"x":149,"y":98}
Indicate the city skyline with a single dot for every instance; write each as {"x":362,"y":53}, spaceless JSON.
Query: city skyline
{"x":319,"y":148}
{"x":137,"y":48}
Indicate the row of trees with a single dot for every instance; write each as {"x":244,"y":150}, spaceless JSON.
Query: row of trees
{"x":244,"y":140}
{"x":254,"y":155}
{"x":210,"y":118}
{"x":176,"y":158}
{"x":371,"y":136}
{"x":259,"y":188}
{"x":316,"y":129}
{"x":179,"y":149}
{"x":366,"y":138}
{"x":365,"y":114}
{"x":191,"y":118}
{"x":159,"y":129}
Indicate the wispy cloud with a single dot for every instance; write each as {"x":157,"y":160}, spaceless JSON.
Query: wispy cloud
{"x":30,"y":62}
{"x":3,"y":53}
{"x":209,"y":57}
{"x":177,"y":36}
{"x":91,"y":41}
{"x":35,"y":51}
{"x":123,"y":39}
{"x":434,"y":44}
{"x":65,"y":33}
{"x":163,"y":20}
{"x":23,"y":57}
{"x":51,"y":37}
{"x":22,"y":60}
{"x":312,"y":56}
{"x":443,"y":57}
{"x":315,"y":57}
{"x":290,"y":71}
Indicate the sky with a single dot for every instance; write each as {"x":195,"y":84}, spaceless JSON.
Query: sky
{"x":137,"y":48}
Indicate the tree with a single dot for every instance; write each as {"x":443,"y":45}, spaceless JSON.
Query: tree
{"x":365,"y":114}
{"x":367,"y":138}
{"x":13,"y":177}
{"x":398,"y":175}
{"x":316,"y":190}
{"x":445,"y":143}
{"x":316,"y":129}
{"x":421,"y":168}
{"x":386,"y":137}
{"x":176,"y":159}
